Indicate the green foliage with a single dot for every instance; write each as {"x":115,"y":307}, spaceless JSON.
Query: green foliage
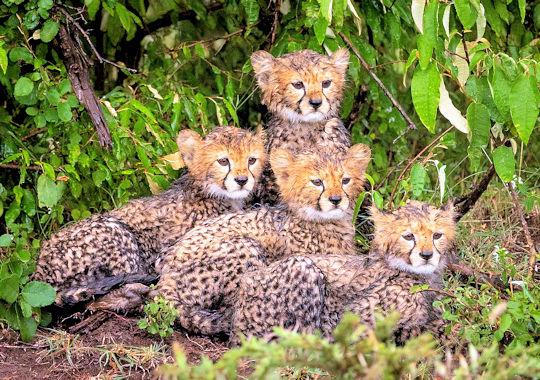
{"x":159,"y":317}
{"x":353,"y":356}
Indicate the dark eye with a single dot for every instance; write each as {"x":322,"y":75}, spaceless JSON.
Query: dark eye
{"x":223,"y":161}
{"x":345,"y":180}
{"x":437,"y":235}
{"x":252,"y":160}
{"x":298,"y":85}
{"x":408,"y":236}
{"x":326,"y":83}
{"x":316,"y":182}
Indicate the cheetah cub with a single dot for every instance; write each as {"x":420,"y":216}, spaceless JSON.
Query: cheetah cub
{"x":222,"y":171}
{"x":410,"y":247}
{"x":303,"y":92}
{"x":201,"y":271}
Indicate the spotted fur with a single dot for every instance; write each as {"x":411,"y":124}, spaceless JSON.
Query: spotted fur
{"x":129,"y":239}
{"x":200,"y":273}
{"x":303,"y":91}
{"x":354,"y":283}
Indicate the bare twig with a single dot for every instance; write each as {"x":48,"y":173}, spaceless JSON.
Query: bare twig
{"x":33,"y":133}
{"x":379,"y":82}
{"x":530,"y":243}
{"x":223,"y":37}
{"x":465,"y":47}
{"x":388,"y":63}
{"x":464,"y":203}
{"x":17,"y":167}
{"x":465,"y":270}
{"x":414,"y":160}
{"x":96,"y":53}
{"x":275,"y":24}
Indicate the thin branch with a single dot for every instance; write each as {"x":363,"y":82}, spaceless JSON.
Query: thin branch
{"x":414,"y":160}
{"x":83,"y":32}
{"x":464,"y":203}
{"x":33,"y":133}
{"x":379,"y":82}
{"x":388,"y":63}
{"x":17,"y":167}
{"x":465,"y":270}
{"x":223,"y":37}
{"x":530,"y":243}
{"x":275,"y":24}
{"x":465,"y":47}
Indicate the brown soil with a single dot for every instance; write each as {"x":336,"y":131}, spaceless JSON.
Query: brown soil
{"x":116,"y":349}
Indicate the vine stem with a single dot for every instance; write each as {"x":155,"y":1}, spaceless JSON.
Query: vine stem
{"x":414,"y":160}
{"x":381,"y":85}
{"x":530,"y":243}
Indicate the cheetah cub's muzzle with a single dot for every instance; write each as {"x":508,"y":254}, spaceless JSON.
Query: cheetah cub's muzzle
{"x":229,"y":163}
{"x":415,"y":238}
{"x":321,"y":185}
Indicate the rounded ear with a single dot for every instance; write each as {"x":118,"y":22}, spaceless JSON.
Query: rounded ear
{"x":280,"y":161}
{"x":358,"y":157}
{"x":260,"y":134}
{"x":188,"y":142}
{"x":340,"y":58}
{"x":263,"y":63}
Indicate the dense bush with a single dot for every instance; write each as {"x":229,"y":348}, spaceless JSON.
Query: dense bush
{"x":476,"y":61}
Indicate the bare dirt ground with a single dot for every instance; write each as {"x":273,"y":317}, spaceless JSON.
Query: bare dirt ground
{"x":116,"y":349}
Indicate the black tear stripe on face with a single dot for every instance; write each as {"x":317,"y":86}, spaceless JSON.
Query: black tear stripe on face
{"x":300,"y":101}
{"x":410,"y":252}
{"x":326,"y":97}
{"x":226,"y":175}
{"x":319,"y":208}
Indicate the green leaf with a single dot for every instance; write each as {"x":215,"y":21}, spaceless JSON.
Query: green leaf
{"x":425,"y":94}
{"x":125,"y":18}
{"x":499,"y":87}
{"x":93,"y":7}
{"x":5,"y":240}
{"x":49,"y":30}
{"x":466,"y":12}
{"x":45,"y":4}
{"x":504,"y":162}
{"x":524,"y":100}
{"x":143,"y":157}
{"x":252,"y":10}
{"x":27,"y":327}
{"x":23,"y":87}
{"x":319,"y":28}
{"x":49,"y":193}
{"x":522,"y":4}
{"x":64,"y":111}
{"x":53,"y":96}
{"x":479,"y":123}
{"x":429,"y":39}
{"x":418,"y":179}
{"x":38,"y":294}
{"x":3,"y":59}
{"x":9,"y":288}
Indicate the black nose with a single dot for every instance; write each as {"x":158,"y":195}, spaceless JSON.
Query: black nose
{"x":241,"y":180}
{"x":426,"y":255}
{"x":315,"y":103}
{"x":335,"y":199}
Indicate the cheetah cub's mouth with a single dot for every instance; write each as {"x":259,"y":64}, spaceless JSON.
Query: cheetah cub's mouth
{"x":310,"y":213}
{"x":218,"y":192}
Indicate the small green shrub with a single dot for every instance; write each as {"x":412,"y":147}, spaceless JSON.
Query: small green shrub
{"x":159,"y":317}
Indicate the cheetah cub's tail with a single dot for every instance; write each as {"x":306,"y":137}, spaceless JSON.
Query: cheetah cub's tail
{"x":120,"y":293}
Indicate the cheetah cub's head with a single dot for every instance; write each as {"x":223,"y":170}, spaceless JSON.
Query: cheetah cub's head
{"x":321,"y":186}
{"x":226,"y":163}
{"x":416,"y":237}
{"x":303,"y":85}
